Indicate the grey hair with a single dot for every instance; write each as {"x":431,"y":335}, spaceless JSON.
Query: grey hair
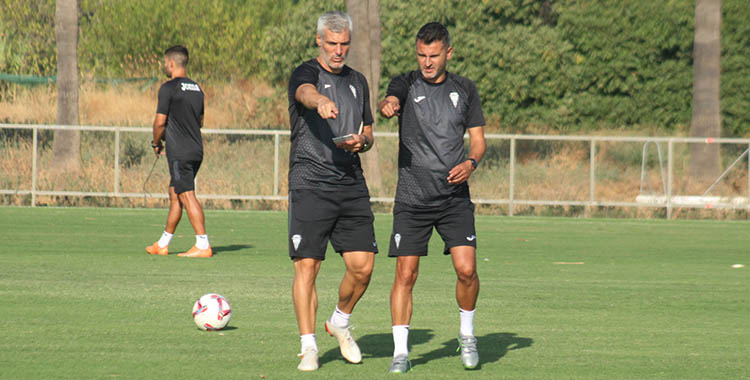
{"x":335,"y":21}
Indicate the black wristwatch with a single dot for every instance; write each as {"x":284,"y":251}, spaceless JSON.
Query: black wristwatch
{"x":366,"y":146}
{"x":154,"y":145}
{"x":474,"y":162}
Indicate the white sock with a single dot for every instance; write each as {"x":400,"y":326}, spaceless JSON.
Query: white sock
{"x":308,"y":340}
{"x":165,"y":238}
{"x":467,"y":321}
{"x":339,"y":318}
{"x":201,"y":241}
{"x":400,"y":340}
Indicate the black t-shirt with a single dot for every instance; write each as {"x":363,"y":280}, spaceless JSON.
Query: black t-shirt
{"x":433,"y":120}
{"x":314,"y":160}
{"x":181,"y":99}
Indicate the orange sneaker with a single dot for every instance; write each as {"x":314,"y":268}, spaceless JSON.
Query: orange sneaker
{"x":154,"y":249}
{"x":195,"y":252}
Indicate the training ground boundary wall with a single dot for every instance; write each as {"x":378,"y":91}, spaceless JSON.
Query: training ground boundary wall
{"x":667,"y":200}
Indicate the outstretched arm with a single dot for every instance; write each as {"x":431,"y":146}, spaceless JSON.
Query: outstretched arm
{"x":309,"y":96}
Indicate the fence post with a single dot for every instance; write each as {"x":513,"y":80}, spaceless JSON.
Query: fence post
{"x":117,"y":162}
{"x":512,"y":175}
{"x":33,"y":167}
{"x":670,"y":171}
{"x":276,"y":164}
{"x":592,"y":173}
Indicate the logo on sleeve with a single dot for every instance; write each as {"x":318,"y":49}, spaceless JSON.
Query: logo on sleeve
{"x":326,"y":86}
{"x":419,"y":99}
{"x":354,"y":90}
{"x":454,"y":98}
{"x":471,"y":238}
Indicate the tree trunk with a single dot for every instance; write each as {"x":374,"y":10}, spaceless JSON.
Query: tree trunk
{"x":66,"y":148}
{"x":705,"y":164}
{"x":364,"y":57}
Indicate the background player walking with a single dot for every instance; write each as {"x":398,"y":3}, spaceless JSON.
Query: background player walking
{"x":328,"y":196}
{"x":435,"y":109}
{"x":179,"y":118}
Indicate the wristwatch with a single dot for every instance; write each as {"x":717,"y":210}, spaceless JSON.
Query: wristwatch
{"x":366,"y":146}
{"x":474,"y":162}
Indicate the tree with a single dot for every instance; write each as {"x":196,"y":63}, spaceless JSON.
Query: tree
{"x":66,"y":149}
{"x":705,"y":162}
{"x":364,"y":57}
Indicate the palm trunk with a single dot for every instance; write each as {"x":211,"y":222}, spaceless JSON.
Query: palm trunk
{"x":364,"y":57}
{"x":67,"y":144}
{"x":705,"y":163}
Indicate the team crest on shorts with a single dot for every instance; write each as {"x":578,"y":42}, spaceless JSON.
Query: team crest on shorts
{"x":397,"y":239}
{"x":296,"y":239}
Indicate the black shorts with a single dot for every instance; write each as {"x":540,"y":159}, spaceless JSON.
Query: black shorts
{"x":182,"y":175}
{"x":317,"y":216}
{"x":412,"y":227}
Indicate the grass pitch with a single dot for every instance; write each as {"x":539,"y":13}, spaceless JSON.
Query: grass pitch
{"x":559,"y":299}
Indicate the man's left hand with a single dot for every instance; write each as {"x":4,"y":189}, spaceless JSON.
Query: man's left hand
{"x":460,"y":173}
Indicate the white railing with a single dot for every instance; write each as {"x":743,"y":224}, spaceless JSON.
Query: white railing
{"x":668,"y":200}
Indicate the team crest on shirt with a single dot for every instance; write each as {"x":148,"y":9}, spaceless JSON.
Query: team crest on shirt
{"x":454,"y":98}
{"x":397,"y":239}
{"x":296,"y":239}
{"x":354,"y":90}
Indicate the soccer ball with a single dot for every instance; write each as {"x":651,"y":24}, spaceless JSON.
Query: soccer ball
{"x":212,"y":312}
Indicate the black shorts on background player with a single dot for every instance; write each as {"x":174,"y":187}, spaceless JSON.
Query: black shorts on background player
{"x":182,"y":175}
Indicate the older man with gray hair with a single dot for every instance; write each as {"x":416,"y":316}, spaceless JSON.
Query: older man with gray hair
{"x":331,"y":124}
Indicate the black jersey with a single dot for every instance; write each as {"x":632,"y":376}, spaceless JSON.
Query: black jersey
{"x":181,"y":99}
{"x":314,"y":160}
{"x":432,"y":123}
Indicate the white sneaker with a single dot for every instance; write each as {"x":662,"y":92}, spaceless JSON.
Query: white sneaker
{"x":309,"y":360}
{"x":467,"y":345}
{"x":349,"y":349}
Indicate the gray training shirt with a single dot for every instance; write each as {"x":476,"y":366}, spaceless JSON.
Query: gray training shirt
{"x":314,"y":160}
{"x":432,"y":123}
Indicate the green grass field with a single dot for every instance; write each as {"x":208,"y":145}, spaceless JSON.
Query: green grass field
{"x":646,"y":300}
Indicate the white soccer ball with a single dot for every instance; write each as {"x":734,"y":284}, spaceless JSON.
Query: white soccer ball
{"x":212,"y":312}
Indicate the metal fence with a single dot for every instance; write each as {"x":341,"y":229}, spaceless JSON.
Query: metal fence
{"x":668,"y":200}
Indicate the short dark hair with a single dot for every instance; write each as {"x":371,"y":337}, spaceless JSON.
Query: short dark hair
{"x":434,"y":31}
{"x":179,"y":54}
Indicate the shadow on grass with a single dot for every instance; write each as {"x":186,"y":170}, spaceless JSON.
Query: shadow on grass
{"x":491,"y":347}
{"x":378,"y":345}
{"x":230,"y":248}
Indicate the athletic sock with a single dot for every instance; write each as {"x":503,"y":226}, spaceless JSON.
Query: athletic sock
{"x":308,"y":340}
{"x":339,"y":318}
{"x":201,"y":241}
{"x":400,"y":340}
{"x":467,"y":321}
{"x":165,"y":238}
